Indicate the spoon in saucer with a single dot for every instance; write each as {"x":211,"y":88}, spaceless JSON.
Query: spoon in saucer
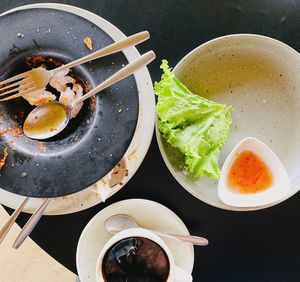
{"x":49,"y":119}
{"x":119,"y":222}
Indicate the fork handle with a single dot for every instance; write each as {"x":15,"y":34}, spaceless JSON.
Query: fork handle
{"x":119,"y":75}
{"x":30,"y":224}
{"x":111,"y":49}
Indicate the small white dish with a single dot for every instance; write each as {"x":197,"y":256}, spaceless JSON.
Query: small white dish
{"x":145,"y":212}
{"x":280,"y":183}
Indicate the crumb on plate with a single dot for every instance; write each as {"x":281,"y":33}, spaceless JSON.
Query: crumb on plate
{"x":3,"y":160}
{"x":17,"y":131}
{"x":3,"y":131}
{"x":88,"y":42}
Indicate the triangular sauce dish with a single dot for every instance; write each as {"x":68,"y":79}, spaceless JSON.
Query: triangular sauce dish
{"x":252,"y":175}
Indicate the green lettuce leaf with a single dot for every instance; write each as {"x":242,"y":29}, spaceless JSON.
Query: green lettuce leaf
{"x":196,"y":126}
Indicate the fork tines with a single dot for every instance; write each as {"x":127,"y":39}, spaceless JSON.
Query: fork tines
{"x":16,"y":86}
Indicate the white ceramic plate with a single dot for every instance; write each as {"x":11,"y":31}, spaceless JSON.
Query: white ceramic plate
{"x":259,"y":77}
{"x":146,"y":213}
{"x":140,"y":142}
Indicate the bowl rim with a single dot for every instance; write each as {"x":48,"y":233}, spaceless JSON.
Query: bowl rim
{"x":235,"y":35}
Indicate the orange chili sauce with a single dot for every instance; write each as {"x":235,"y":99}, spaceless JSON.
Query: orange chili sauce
{"x":249,"y":174}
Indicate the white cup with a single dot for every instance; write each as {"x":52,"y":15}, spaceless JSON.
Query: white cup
{"x":176,"y":274}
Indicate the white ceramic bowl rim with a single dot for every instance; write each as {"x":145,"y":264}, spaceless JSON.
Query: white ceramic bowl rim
{"x":236,"y":35}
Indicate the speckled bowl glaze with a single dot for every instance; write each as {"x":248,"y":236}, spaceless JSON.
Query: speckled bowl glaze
{"x":259,"y":77}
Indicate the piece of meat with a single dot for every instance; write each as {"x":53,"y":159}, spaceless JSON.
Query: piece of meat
{"x":66,"y":96}
{"x":70,"y":95}
{"x":78,"y":93}
{"x":39,"y":97}
{"x":60,"y":80}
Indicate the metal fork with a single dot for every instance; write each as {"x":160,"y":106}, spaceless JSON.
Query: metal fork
{"x":38,"y":78}
{"x":21,"y":84}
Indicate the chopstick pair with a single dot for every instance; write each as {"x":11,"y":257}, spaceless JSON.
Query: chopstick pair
{"x":36,"y":79}
{"x":28,"y":227}
{"x":7,"y":226}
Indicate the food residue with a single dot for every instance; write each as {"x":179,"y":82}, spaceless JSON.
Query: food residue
{"x":63,"y":83}
{"x":40,"y":60}
{"x":41,"y":147}
{"x":88,"y":42}
{"x":70,"y":87}
{"x":118,"y":173}
{"x":249,"y":174}
{"x":3,"y":131}
{"x":3,"y":160}
{"x":15,"y":130}
{"x":69,"y":95}
{"x":39,"y":97}
{"x":132,"y":154}
{"x":60,"y":80}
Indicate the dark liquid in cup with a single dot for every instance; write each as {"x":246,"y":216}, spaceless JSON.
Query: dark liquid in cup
{"x":135,"y":259}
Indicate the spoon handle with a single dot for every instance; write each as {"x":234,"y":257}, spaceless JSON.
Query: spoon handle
{"x":195,"y":240}
{"x":121,"y":74}
{"x":7,"y":226}
{"x":30,"y":224}
{"x":111,"y":49}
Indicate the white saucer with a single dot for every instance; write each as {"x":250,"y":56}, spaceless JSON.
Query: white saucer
{"x":146,"y":213}
{"x":139,"y":144}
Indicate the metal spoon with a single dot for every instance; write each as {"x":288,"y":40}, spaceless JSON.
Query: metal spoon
{"x":119,"y":222}
{"x":49,"y":119}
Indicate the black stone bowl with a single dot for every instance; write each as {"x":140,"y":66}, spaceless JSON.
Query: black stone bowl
{"x":96,"y":140}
